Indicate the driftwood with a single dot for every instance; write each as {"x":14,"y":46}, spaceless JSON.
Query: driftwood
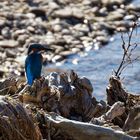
{"x":69,"y":96}
{"x":133,"y":120}
{"x":15,"y":122}
{"x":115,"y":91}
{"x":71,"y":99}
{"x":82,"y":131}
{"x":116,"y":110}
{"x":8,"y":86}
{"x":130,"y":118}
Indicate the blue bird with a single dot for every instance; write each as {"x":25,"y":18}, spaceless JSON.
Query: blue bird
{"x":33,"y":62}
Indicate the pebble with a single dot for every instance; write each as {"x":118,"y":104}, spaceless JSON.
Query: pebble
{"x":69,"y":27}
{"x":112,"y":2}
{"x":57,"y":28}
{"x":10,"y":53}
{"x":8,"y":44}
{"x":115,"y":16}
{"x":129,"y":17}
{"x":75,"y":50}
{"x":82,"y":28}
{"x":5,"y":32}
{"x":57,"y":58}
{"x":38,"y":12}
{"x":102,"y":39}
{"x":62,"y":13}
{"x":66,"y":53}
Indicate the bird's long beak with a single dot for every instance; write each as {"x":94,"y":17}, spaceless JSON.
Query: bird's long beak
{"x":38,"y":47}
{"x":48,"y":49}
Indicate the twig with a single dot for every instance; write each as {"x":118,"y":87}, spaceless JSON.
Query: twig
{"x":128,"y":49}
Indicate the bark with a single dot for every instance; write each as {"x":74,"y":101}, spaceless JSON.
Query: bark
{"x":15,"y":122}
{"x":82,"y":131}
{"x":116,"y":110}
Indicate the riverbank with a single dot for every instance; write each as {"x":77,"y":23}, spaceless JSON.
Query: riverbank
{"x":68,"y":27}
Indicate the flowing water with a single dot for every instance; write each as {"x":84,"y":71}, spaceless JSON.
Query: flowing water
{"x":97,"y":65}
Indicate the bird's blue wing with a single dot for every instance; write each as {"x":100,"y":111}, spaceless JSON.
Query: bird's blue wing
{"x":28,"y":71}
{"x":33,"y":66}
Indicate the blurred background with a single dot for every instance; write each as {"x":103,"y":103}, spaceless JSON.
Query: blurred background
{"x":85,"y":34}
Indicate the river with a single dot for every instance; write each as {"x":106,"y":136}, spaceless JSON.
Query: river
{"x":97,"y":65}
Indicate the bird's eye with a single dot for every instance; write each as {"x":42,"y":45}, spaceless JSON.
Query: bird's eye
{"x":34,"y":49}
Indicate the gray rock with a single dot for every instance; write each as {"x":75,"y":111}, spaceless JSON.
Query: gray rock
{"x":22,"y":38}
{"x":58,"y":48}
{"x":5,"y":32}
{"x":16,"y":33}
{"x":31,"y":29}
{"x":132,"y":7}
{"x":68,"y":12}
{"x":115,"y":15}
{"x":2,"y":22}
{"x":77,"y":12}
{"x":66,"y":32}
{"x":66,"y":53}
{"x":129,"y":17}
{"x":57,"y":28}
{"x":62,"y":13}
{"x":112,"y":2}
{"x":8,"y":44}
{"x":75,"y":50}
{"x":10,"y":53}
{"x":39,"y":12}
{"x":53,"y":5}
{"x":102,"y":39}
{"x":68,"y":38}
{"x":81,"y":27}
{"x":57,"y":58}
{"x":50,"y":38}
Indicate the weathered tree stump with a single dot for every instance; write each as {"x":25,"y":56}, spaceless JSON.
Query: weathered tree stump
{"x":15,"y":122}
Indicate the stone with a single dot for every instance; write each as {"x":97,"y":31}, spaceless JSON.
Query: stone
{"x":57,"y":58}
{"x":10,"y":53}
{"x":68,"y":12}
{"x":75,"y":50}
{"x":31,"y":29}
{"x":16,"y":33}
{"x":112,"y":2}
{"x":81,"y":27}
{"x":130,"y":17}
{"x":102,"y":39}
{"x":39,"y":12}
{"x":62,"y":13}
{"x":57,"y":28}
{"x":8,"y":44}
{"x":58,"y":48}
{"x":68,"y":26}
{"x":50,"y":38}
{"x":2,"y":22}
{"x":77,"y":12}
{"x":115,"y":15}
{"x":53,"y":5}
{"x":66,"y":53}
{"x":22,"y":38}
{"x":68,"y":38}
{"x":65,"y":32}
{"x":5,"y":32}
{"x":132,"y":7}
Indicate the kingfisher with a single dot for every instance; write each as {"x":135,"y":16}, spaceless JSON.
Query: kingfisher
{"x":34,"y":61}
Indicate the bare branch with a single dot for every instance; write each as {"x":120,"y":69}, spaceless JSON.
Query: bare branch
{"x":128,"y":49}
